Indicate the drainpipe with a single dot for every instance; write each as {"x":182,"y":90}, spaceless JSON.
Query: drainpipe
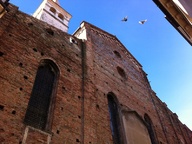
{"x":172,"y":124}
{"x":149,"y":90}
{"x":187,"y":131}
{"x":83,"y":60}
{"x":159,"y":118}
{"x":179,"y":124}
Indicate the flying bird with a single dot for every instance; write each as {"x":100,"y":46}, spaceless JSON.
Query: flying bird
{"x":124,"y":19}
{"x":142,"y":21}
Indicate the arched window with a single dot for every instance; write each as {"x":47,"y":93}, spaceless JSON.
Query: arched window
{"x":41,"y":104}
{"x":53,"y":10}
{"x":114,"y":119}
{"x":150,"y":129}
{"x":60,"y":16}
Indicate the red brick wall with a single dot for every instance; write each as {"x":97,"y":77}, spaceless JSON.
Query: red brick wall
{"x":24,"y":42}
{"x":133,"y":92}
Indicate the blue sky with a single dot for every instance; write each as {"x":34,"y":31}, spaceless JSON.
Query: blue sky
{"x":164,"y":54}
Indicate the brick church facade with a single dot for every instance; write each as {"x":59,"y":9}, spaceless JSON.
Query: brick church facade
{"x":86,"y":88}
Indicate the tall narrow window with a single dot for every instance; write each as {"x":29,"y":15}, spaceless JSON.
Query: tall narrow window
{"x":150,"y":129}
{"x":114,"y":119}
{"x":38,"y":113}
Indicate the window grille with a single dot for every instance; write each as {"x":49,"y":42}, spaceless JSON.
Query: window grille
{"x":114,"y":119}
{"x":41,"y":96}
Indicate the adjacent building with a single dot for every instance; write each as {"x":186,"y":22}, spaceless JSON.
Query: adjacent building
{"x":179,"y":14}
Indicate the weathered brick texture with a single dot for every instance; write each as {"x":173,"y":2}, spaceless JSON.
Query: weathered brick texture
{"x":88,"y":71}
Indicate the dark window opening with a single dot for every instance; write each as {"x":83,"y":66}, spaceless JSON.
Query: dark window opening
{"x":20,"y":64}
{"x":117,"y":54}
{"x":60,"y":16}
{"x":114,"y":119}
{"x":52,"y":10}
{"x":30,"y":24}
{"x":150,"y":129}
{"x":39,"y":104}
{"x":25,"y":77}
{"x":1,"y":53}
{"x":1,"y":107}
{"x":13,"y":112}
{"x":50,"y":31}
{"x":34,"y":49}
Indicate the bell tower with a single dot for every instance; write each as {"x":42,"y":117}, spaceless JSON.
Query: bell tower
{"x":52,"y":13}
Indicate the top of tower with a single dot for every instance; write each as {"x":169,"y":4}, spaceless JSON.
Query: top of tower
{"x":52,"y":13}
{"x":56,"y":1}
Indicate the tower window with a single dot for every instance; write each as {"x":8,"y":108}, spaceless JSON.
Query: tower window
{"x":53,"y":10}
{"x":114,"y":119}
{"x":60,"y":16}
{"x":39,"y":108}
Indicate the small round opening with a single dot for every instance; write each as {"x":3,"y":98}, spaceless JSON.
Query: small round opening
{"x":121,"y":72}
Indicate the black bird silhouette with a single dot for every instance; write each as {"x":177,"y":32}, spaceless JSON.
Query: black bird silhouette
{"x":124,"y":19}
{"x":142,"y":21}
